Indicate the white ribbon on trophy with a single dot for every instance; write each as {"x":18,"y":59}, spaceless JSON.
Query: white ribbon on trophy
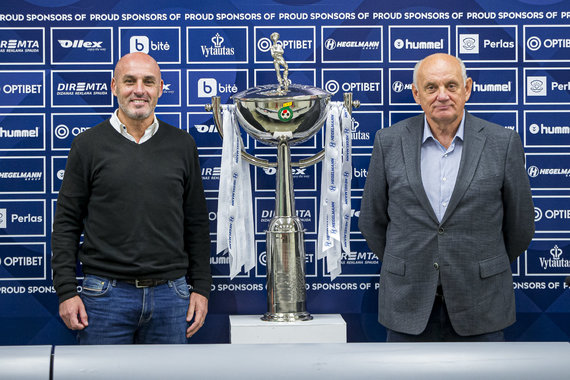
{"x":334,"y":215}
{"x":235,"y":220}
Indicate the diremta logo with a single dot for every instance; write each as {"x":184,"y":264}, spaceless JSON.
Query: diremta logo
{"x":469,"y":44}
{"x":536,"y":86}
{"x":139,"y":44}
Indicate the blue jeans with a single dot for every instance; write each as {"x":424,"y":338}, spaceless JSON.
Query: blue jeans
{"x":121,"y":313}
{"x":439,"y":329}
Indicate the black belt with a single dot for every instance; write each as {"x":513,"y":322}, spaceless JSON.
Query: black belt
{"x":145,"y":283}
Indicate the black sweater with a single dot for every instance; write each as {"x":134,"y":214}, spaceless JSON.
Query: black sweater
{"x":141,"y":207}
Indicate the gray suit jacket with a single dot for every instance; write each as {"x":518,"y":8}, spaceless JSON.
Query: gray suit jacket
{"x":489,"y":222}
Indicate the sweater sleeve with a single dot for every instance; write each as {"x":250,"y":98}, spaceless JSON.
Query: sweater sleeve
{"x":68,"y":225}
{"x":197,"y":229}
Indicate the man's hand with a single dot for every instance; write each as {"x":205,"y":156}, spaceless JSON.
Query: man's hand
{"x":197,"y":310}
{"x":73,"y":313}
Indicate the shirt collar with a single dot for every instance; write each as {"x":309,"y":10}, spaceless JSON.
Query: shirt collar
{"x":122,"y":128}
{"x":459,"y":134}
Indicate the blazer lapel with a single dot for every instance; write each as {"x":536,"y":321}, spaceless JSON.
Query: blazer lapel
{"x":472,"y":148}
{"x":411,"y":145}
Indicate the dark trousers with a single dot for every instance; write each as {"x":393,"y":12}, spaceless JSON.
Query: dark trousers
{"x":439,"y":329}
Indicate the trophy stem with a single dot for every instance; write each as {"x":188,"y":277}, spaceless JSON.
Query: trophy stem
{"x":286,"y":294}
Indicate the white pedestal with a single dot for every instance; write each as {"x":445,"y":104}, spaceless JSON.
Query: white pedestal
{"x":323,"y":328}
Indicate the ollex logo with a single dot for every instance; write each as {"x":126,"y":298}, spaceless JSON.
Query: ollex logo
{"x":469,"y":44}
{"x":67,"y":44}
{"x":536,"y":86}
{"x":556,"y":261}
{"x":294,"y":171}
{"x":399,"y":86}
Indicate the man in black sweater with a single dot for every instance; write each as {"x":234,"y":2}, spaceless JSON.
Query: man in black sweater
{"x":133,"y":186}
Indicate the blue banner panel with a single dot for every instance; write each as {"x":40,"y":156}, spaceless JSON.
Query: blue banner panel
{"x":203,"y":84}
{"x":412,"y":43}
{"x":487,"y":43}
{"x":548,"y":171}
{"x":82,"y":46}
{"x":298,"y":42}
{"x":22,"y":89}
{"x":547,"y":86}
{"x":548,"y":257}
{"x":351,"y":44}
{"x":546,"y":43}
{"x":66,"y":126}
{"x":552,"y":214}
{"x":22,"y":132}
{"x":365,"y":84}
{"x":72,"y":88}
{"x":162,"y":43}
{"x":22,"y":218}
{"x":547,"y":129}
{"x":24,"y":46}
{"x":22,"y":175}
{"x":22,"y":261}
{"x":207,"y":45}
{"x":171,"y":92}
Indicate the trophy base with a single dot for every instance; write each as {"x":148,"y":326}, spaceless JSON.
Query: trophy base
{"x":286,"y":317}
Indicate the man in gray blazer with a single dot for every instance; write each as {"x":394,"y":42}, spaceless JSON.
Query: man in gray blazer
{"x":446,"y":207}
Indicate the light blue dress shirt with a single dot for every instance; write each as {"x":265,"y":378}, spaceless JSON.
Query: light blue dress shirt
{"x":439,"y":167}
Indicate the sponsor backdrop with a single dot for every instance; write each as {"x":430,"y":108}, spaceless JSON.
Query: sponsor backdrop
{"x":56,"y":62}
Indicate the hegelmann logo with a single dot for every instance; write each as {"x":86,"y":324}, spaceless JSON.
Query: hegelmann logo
{"x":264,"y":44}
{"x":333,"y":86}
{"x":26,"y":176}
{"x":81,"y":44}
{"x":418,"y":45}
{"x":399,"y":86}
{"x":536,"y":86}
{"x":145,"y":45}
{"x":469,"y":44}
{"x":331,"y":44}
{"x":19,"y":46}
{"x":82,"y":88}
{"x":555,"y":261}
{"x":217,"y":49}
{"x":549,"y":130}
{"x":534,"y":43}
{"x":534,"y":171}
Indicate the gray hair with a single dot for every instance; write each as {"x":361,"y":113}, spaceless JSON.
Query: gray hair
{"x":461,"y":64}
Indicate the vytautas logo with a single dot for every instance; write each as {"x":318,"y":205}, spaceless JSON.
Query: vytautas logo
{"x":555,"y":261}
{"x":217,"y":48}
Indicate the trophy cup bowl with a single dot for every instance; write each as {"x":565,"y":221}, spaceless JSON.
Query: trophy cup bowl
{"x":267,"y":115}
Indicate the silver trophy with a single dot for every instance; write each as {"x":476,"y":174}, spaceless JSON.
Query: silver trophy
{"x":282,"y":114}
